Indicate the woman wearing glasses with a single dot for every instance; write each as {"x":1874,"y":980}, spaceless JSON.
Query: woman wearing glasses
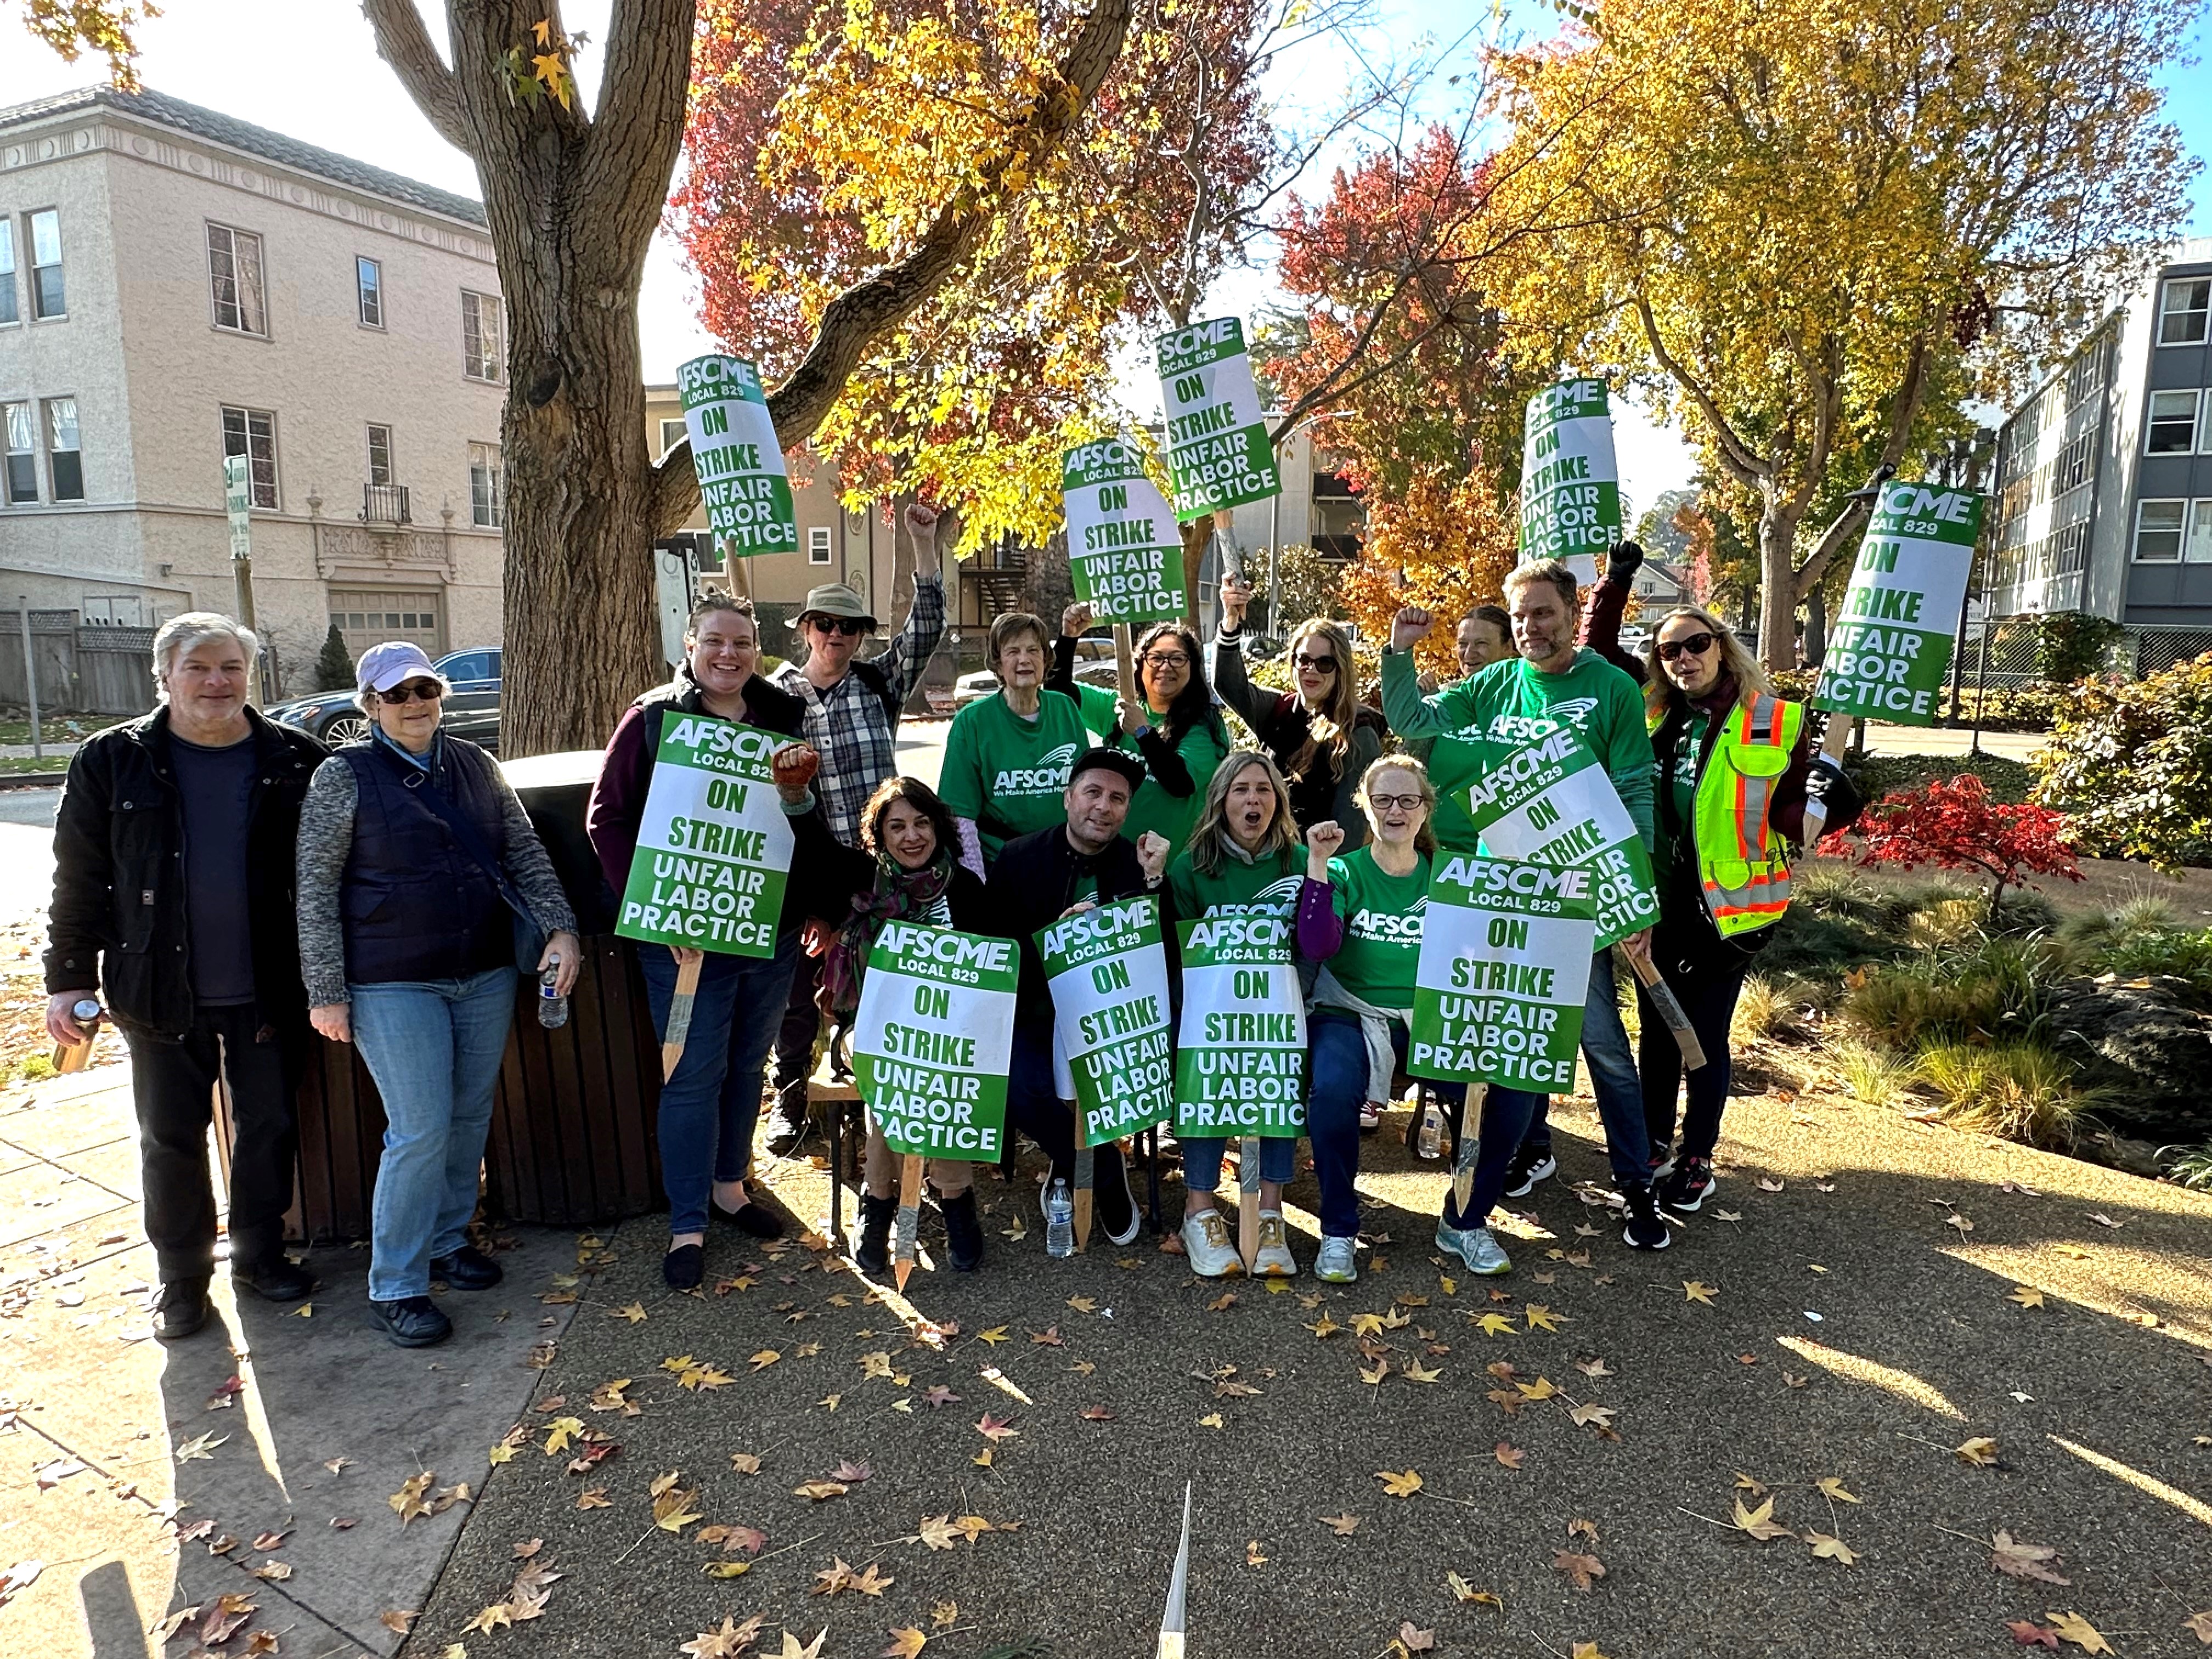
{"x":1735,"y":766}
{"x":1321,"y":737}
{"x":1359,"y":917}
{"x":416,"y":860}
{"x":1172,"y":723}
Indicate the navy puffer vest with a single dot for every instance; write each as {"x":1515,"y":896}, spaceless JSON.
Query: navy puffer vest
{"x":416,"y":905}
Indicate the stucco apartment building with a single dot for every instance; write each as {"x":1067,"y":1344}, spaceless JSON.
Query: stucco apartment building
{"x":176,"y":286}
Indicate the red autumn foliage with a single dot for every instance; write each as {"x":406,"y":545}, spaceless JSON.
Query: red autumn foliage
{"x":1956,"y":826}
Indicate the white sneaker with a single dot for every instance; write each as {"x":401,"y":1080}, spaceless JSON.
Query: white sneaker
{"x":1338,"y":1261}
{"x":1274,"y":1259}
{"x":1370,"y":1117}
{"x":1205,"y":1241}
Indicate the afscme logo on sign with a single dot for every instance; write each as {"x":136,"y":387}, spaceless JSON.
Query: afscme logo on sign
{"x":954,"y":950}
{"x":1912,"y":500}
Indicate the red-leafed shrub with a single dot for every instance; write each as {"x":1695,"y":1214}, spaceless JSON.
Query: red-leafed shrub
{"x":1956,"y":826}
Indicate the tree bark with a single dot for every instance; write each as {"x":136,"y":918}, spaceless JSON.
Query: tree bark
{"x":1778,"y":518}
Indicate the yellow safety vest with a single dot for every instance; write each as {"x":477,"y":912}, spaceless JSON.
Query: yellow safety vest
{"x":1743,"y":864}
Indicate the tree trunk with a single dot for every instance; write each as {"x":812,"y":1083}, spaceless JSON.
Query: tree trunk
{"x":1816,"y":625}
{"x":1195,"y":535}
{"x":1777,"y":571}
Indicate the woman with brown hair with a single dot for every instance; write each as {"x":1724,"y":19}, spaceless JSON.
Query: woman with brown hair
{"x":1320,"y":735}
{"x":1171,"y":724}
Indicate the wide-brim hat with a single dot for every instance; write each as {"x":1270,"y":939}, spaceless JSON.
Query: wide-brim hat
{"x":834,"y":599}
{"x":1132,"y":770}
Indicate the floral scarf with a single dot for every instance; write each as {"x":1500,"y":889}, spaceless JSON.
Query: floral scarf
{"x":898,"y":893}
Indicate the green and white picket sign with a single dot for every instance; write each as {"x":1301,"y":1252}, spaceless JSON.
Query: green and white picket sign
{"x":932,"y":1040}
{"x":1890,"y":649}
{"x":1549,"y":801}
{"x":1504,"y":966}
{"x":742,"y":481}
{"x":1218,"y":453}
{"x":1569,"y":483}
{"x":1241,"y":1048}
{"x":1108,"y":974}
{"x":713,"y":849}
{"x":1123,"y":548}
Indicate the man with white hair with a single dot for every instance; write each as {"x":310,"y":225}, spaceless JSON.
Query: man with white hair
{"x":173,"y":857}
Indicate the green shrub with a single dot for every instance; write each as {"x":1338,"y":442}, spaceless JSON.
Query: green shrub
{"x":2009,"y":782}
{"x":36,"y":1067}
{"x":1873,"y":1076}
{"x":2184,"y":956}
{"x":2130,"y":763}
{"x":1982,"y":989}
{"x":2193,"y":1168}
{"x":2021,"y":1091}
{"x":333,"y":668}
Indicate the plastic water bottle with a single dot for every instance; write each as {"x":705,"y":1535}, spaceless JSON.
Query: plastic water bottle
{"x":1432,"y":1131}
{"x":552,"y":1007}
{"x":1059,"y":1219}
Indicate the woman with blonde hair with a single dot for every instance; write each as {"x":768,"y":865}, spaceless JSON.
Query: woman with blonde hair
{"x":1242,"y":860}
{"x":1321,"y":736}
{"x":1735,"y":766}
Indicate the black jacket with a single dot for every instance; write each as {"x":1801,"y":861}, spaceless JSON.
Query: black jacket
{"x":1035,"y":881}
{"x":117,"y":919}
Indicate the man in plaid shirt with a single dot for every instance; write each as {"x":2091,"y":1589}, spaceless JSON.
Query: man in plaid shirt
{"x":852,"y":722}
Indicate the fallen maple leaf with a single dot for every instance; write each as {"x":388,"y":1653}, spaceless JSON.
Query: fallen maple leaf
{"x":996,"y":1334}
{"x":200,"y":1447}
{"x":819,"y":1490}
{"x":407,"y":1503}
{"x":1541,"y":1317}
{"x":1829,"y":1549}
{"x":794,"y":1649}
{"x":1580,"y":1569}
{"x":594,"y":1497}
{"x":635,"y":1312}
{"x":2029,"y":1634}
{"x":398,"y":1620}
{"x":1593,"y":1367}
{"x":2073,"y":1627}
{"x":1981,"y":1451}
{"x":763,"y":1359}
{"x":1415,"y":1641}
{"x":727,"y":1643}
{"x":906,"y":1642}
{"x":1399,"y":1485}
{"x":1511,"y":1456}
{"x":1095,"y":1414}
{"x":1254,"y":1556}
{"x":489,"y":1619}
{"x":1210,"y":1420}
{"x":1467,"y":1595}
{"x":1586,"y":1651}
{"x":1964,"y":1223}
{"x":995,"y":1429}
{"x":1760,"y":1523}
{"x":1589,"y":1416}
{"x":1494,"y":1324}
{"x":1083,"y":1304}
{"x":849,"y":1472}
{"x":2016,"y":1559}
{"x":1342,"y":1525}
{"x":1695,"y":1290}
{"x":2027,"y":1296}
{"x":744,"y":1462}
{"x":1414,"y":1371}
{"x":562,"y":1432}
{"x":1831,"y":1485}
{"x":938,"y":1533}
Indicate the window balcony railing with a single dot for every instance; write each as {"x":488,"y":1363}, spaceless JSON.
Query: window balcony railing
{"x":383,"y":504}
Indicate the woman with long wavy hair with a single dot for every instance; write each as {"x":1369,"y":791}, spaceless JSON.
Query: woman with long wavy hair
{"x":1171,"y":724}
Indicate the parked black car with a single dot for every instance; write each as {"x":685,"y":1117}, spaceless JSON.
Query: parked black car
{"x":471,"y":712}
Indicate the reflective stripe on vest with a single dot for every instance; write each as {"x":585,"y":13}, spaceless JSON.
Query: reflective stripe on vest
{"x":1742,"y":865}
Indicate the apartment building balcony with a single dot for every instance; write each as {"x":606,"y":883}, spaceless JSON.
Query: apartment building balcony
{"x":384,"y":507}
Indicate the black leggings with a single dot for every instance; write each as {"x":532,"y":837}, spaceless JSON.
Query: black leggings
{"x":1706,"y":973}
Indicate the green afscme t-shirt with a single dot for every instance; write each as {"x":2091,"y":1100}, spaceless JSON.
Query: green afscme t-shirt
{"x":1007,"y":773}
{"x":1234,"y":887}
{"x":1382,"y":915}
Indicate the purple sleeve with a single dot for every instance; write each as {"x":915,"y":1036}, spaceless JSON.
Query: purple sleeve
{"x":1321,"y":930}
{"x":618,"y":804}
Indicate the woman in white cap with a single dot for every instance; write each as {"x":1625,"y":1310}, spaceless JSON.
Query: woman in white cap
{"x":419,"y":875}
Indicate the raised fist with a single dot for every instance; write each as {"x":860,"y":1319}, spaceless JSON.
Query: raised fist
{"x":1409,"y":627}
{"x":1323,"y":841}
{"x":1152,"y":849}
{"x":1235,"y":599}
{"x":921,"y":521}
{"x":1075,"y":621}
{"x":793,"y":767}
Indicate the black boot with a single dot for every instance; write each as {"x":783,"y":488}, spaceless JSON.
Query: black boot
{"x":963,"y":1232}
{"x":872,"y":1255}
{"x":787,"y":1120}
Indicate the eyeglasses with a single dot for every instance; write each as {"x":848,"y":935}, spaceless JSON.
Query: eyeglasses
{"x":426,"y":690}
{"x":1319,"y":665}
{"x":1696,"y":644}
{"x":1395,"y":803}
{"x":1167,"y":659}
{"x":850,"y":627}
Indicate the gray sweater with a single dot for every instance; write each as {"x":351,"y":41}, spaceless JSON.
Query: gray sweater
{"x":326,"y":844}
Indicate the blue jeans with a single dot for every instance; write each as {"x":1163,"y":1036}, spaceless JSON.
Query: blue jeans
{"x":1201,"y":1159}
{"x":433,"y":1046}
{"x":1506,"y":1114}
{"x":1332,"y":1102}
{"x":1612,"y":1080}
{"x":707,"y":1110}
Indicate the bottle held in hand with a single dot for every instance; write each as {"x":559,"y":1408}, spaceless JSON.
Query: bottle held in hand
{"x":76,"y":1056}
{"x":552,"y":1007}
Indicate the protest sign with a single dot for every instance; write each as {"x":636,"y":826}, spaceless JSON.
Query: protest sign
{"x":742,"y":482}
{"x":1123,"y":549}
{"x":713,"y":848}
{"x":1218,"y":453}
{"x":1891,"y":647}
{"x":1241,"y":1049}
{"x":1108,"y":974}
{"x":1505,"y":966}
{"x":1570,"y":485}
{"x":1550,"y":802}
{"x":932,"y":1040}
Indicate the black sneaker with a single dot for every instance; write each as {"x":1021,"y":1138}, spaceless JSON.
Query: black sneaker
{"x":467,"y":1269}
{"x":1647,"y":1228}
{"x":682,"y":1267}
{"x":871,"y":1255}
{"x":180,"y":1308}
{"x":963,"y":1232}
{"x":413,"y":1322}
{"x":1685,"y":1188}
{"x":277,"y":1279}
{"x":1115,"y":1205}
{"x":1530,"y":1164}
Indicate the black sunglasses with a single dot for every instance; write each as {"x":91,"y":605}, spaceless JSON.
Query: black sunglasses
{"x":1696,"y":644}
{"x":1319,"y":665}
{"x":848,"y":626}
{"x":427,"y":690}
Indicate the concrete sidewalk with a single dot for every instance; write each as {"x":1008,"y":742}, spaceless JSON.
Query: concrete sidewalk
{"x":95,"y":1416}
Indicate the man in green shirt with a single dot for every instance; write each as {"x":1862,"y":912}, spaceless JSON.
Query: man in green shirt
{"x":1477,"y":722}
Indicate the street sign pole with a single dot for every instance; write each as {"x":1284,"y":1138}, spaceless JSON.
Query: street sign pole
{"x":238,"y":502}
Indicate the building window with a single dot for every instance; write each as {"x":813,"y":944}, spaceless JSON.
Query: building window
{"x":480,"y":353}
{"x":253,"y":433}
{"x":2172,"y":430}
{"x":487,"y":485}
{"x":234,"y":280}
{"x":114,"y":611}
{"x":47,"y":297}
{"x":368,"y":286}
{"x":2198,"y":549}
{"x":22,"y":453}
{"x":367,"y":616}
{"x":817,"y":544}
{"x":8,"y":312}
{"x":379,"y":454}
{"x":2158,"y":532}
{"x":671,"y":434}
{"x":2184,"y":311}
{"x":64,"y":458}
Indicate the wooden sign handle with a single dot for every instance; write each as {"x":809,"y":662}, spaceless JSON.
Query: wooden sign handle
{"x":1125,"y":661}
{"x":679,"y":1010}
{"x":1832,"y":746}
{"x":1670,"y":1010}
